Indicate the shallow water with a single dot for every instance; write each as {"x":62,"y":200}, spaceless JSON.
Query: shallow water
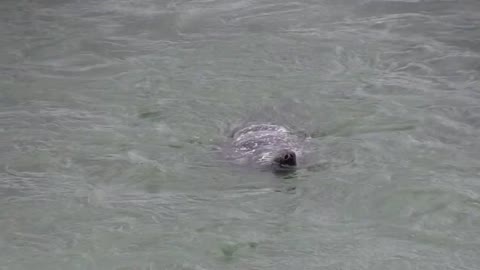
{"x":111,"y":113}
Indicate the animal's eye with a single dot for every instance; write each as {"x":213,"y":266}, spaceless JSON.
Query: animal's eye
{"x":286,"y":157}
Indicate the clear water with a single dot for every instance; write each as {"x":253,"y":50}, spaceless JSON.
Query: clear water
{"x":111,"y":113}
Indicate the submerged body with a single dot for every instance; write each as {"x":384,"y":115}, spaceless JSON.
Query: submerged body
{"x":266,"y":146}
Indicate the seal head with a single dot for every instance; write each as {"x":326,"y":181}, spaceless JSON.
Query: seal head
{"x":266,"y":145}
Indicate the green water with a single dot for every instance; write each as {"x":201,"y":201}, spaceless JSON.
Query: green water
{"x":112,"y":113}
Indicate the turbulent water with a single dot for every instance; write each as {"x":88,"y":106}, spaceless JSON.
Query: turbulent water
{"x":112,"y":113}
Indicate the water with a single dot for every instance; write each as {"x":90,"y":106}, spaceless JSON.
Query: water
{"x":111,"y":113}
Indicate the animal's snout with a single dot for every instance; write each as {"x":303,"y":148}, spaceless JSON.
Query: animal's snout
{"x":286,"y":158}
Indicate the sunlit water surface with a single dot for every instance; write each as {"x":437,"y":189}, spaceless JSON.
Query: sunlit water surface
{"x":113,"y":113}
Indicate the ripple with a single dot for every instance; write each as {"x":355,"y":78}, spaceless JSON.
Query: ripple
{"x":86,"y":66}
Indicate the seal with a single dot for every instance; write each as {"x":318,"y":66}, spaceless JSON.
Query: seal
{"x":266,"y":146}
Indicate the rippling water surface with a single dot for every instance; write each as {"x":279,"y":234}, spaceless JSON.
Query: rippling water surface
{"x":112,"y":111}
